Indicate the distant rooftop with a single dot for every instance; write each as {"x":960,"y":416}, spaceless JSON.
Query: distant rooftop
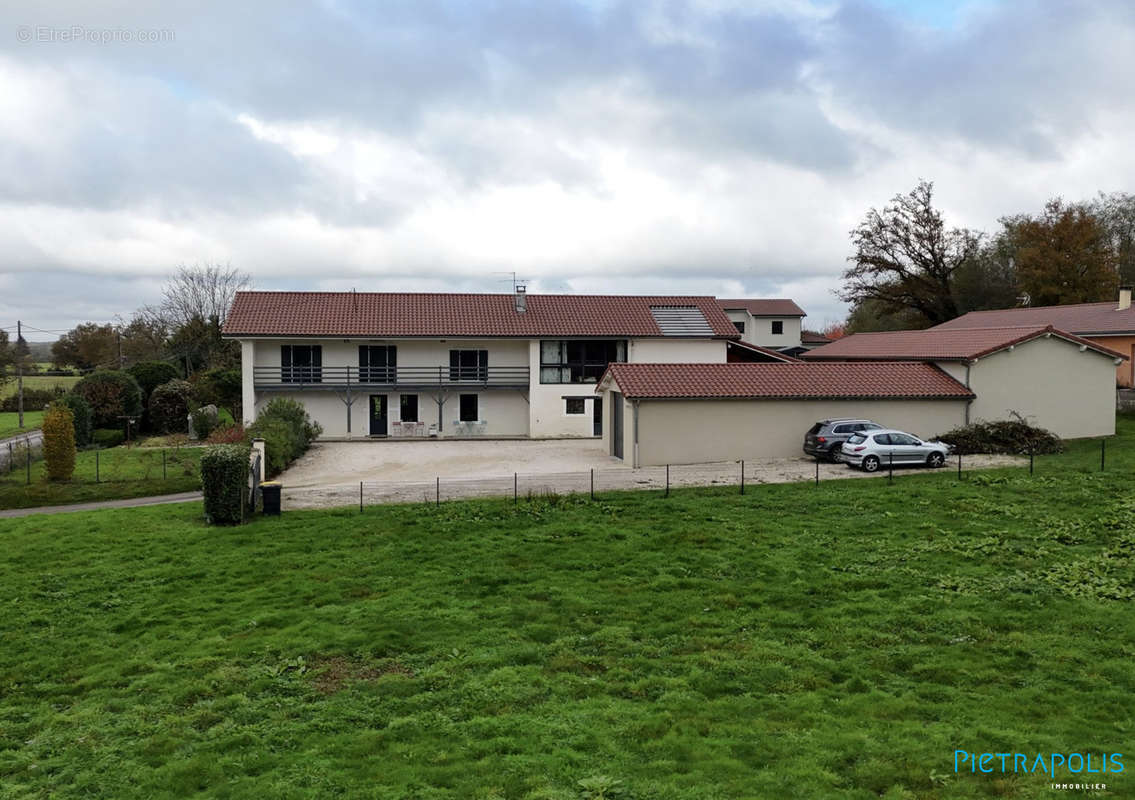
{"x":759,"y":307}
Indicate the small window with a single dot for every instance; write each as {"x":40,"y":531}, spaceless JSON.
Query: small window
{"x":843,"y":428}
{"x":856,"y":438}
{"x":882,"y":438}
{"x":409,"y":408}
{"x":777,"y":326}
{"x":871,"y":426}
{"x":902,"y":438}
{"x":740,"y":326}
{"x":469,"y":408}
{"x":575,"y":405}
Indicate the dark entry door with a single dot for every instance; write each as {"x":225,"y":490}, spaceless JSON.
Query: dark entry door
{"x":597,"y":417}
{"x":616,"y":425}
{"x":378,"y":415}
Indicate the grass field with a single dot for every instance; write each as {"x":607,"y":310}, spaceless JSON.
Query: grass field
{"x":39,"y":382}
{"x":799,"y":641}
{"x":122,"y":472}
{"x":9,"y":422}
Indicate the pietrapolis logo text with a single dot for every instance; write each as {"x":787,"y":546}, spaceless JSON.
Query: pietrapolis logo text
{"x":1048,"y":763}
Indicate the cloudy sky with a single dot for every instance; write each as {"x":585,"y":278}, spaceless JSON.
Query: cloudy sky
{"x":695,"y":146}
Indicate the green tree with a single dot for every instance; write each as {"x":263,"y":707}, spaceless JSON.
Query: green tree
{"x":1116,"y":212}
{"x":1063,"y":255}
{"x":59,"y":442}
{"x":111,"y":395}
{"x":87,"y":346}
{"x":905,"y":258}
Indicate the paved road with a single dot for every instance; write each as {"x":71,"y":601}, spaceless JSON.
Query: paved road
{"x":133,"y":502}
{"x":33,"y":438}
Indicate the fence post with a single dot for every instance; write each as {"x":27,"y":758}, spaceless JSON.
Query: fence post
{"x":439,"y":490}
{"x":10,"y":458}
{"x":163,"y":464}
{"x":890,"y":467}
{"x":667,"y":480}
{"x":959,"y":466}
{"x":360,"y":497}
{"x":1103,"y":452}
{"x":742,"y":476}
{"x":817,"y":471}
{"x":593,"y":483}
{"x":1030,"y":460}
{"x":515,"y":491}
{"x":28,"y":460}
{"x":96,"y":463}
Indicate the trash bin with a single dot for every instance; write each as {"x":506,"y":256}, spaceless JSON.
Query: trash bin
{"x":270,"y":496}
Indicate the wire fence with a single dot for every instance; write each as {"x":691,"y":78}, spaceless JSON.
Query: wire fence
{"x":740,"y":475}
{"x":21,"y":462}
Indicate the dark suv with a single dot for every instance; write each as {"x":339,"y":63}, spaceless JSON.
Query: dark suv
{"x":826,"y":437}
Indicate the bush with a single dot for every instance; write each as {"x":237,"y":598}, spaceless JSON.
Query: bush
{"x":228,"y":434}
{"x":107,"y":437}
{"x":287,"y":432}
{"x":152,"y":374}
{"x":220,"y":387}
{"x":59,"y":442}
{"x":224,"y":481}
{"x":169,"y":406}
{"x":111,"y":394}
{"x":81,"y":412}
{"x":1010,"y":437}
{"x":34,"y":399}
{"x":204,"y":422}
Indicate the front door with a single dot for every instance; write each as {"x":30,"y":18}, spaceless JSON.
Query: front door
{"x":378,"y":415}
{"x":597,"y":417}
{"x":616,"y":425}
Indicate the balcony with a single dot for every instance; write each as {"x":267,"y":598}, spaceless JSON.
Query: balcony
{"x":291,"y":379}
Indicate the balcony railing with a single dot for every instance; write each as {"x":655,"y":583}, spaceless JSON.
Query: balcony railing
{"x":388,"y":377}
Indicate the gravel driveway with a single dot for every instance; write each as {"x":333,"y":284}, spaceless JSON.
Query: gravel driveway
{"x":414,"y":472}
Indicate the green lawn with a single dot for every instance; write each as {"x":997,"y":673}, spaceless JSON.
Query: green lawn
{"x":799,"y":641}
{"x":121,"y":472}
{"x":9,"y":422}
{"x":39,"y":382}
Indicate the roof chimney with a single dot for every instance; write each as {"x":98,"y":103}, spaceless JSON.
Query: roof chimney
{"x":522,"y":299}
{"x":1124,"y":298}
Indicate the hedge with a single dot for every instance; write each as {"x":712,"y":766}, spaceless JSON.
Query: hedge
{"x":59,"y":442}
{"x":107,"y":437}
{"x":224,"y":481}
{"x":1011,"y":437}
{"x":34,"y":399}
{"x":287,"y":432}
{"x":152,"y":374}
{"x":112,"y":394}
{"x":81,"y":413}
{"x":169,"y":407}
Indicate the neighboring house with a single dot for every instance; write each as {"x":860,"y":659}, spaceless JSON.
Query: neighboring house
{"x":1111,"y":325}
{"x":809,"y":340}
{"x":1054,"y":379}
{"x":405,"y":364}
{"x":767,"y":323}
{"x":691,"y":413}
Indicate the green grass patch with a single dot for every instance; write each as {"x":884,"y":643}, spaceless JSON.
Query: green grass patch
{"x":10,"y":422}
{"x":112,"y":474}
{"x":39,"y":382}
{"x":797,"y":641}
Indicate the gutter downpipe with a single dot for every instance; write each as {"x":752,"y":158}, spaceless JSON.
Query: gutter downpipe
{"x":634,"y":413}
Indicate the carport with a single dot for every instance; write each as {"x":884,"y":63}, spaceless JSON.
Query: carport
{"x":700,"y":413}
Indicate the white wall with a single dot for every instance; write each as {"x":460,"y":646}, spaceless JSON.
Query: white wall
{"x":1051,"y":383}
{"x":700,"y":431}
{"x":759,"y":331}
{"x":675,"y":350}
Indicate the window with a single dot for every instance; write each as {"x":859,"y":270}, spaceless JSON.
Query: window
{"x":409,"y":408}
{"x":377,"y":363}
{"x":740,"y":326}
{"x":469,"y":365}
{"x":882,"y":438}
{"x":568,"y":361}
{"x":856,"y":438}
{"x":301,"y":363}
{"x":575,"y":405}
{"x":845,"y":428}
{"x":469,"y":408}
{"x":777,"y":326}
{"x":902,"y":438}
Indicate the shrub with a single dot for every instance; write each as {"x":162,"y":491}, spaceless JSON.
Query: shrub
{"x":1012,"y":437}
{"x":81,"y":414}
{"x":169,"y":406}
{"x":204,"y":422}
{"x":152,"y":374}
{"x":59,"y":442}
{"x":287,"y":432}
{"x":220,"y":387}
{"x":228,"y":434}
{"x":34,"y":399}
{"x":111,"y":394}
{"x":107,"y":437}
{"x":224,"y":481}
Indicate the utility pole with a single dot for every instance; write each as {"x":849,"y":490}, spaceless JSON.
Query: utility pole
{"x":20,"y":371}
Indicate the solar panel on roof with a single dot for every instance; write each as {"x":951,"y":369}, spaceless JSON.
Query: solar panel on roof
{"x":681,"y":321}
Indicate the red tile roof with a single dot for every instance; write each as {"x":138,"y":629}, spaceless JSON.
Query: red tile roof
{"x":811,"y":337}
{"x":1082,"y":319}
{"x":938,"y":344}
{"x":393,"y":314}
{"x":848,"y":380}
{"x":763,"y":307}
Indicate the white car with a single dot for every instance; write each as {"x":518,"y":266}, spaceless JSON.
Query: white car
{"x":871,"y":450}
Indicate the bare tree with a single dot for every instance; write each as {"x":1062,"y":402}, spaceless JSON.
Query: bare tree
{"x":905,"y":258}
{"x":201,"y":292}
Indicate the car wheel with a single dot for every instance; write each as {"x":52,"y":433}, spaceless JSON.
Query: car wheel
{"x":871,"y":464}
{"x":935,"y":460}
